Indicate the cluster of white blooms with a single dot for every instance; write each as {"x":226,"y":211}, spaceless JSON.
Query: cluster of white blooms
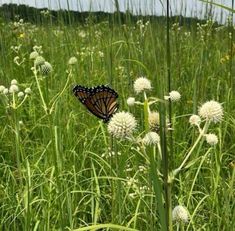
{"x":40,"y":63}
{"x":14,"y":89}
{"x":211,"y":111}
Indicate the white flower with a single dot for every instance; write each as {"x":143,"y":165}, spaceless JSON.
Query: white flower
{"x":72,"y":60}
{"x":211,"y":111}
{"x":122,"y":125}
{"x":2,"y":88}
{"x":142,"y":84}
{"x":154,"y":120}
{"x":13,"y":88}
{"x":39,"y":60}
{"x":20,"y":94}
{"x":151,"y":138}
{"x":33,"y":55}
{"x":5,"y":91}
{"x":27,"y":91}
{"x":180,"y":213}
{"x":194,"y":120}
{"x":211,"y":139}
{"x":130,"y":101}
{"x":174,"y":96}
{"x":46,"y":68}
{"x":14,"y":82}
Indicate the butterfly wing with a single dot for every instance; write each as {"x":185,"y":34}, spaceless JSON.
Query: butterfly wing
{"x":100,"y":100}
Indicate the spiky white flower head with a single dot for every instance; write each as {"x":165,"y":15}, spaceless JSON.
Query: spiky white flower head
{"x":39,"y":60}
{"x":5,"y":91}
{"x":130,"y":101}
{"x":28,"y":91}
{"x":122,"y":125}
{"x":154,"y":120}
{"x":142,"y":84}
{"x":174,"y":96}
{"x":195,"y":120}
{"x":13,"y":88}
{"x":211,"y":111}
{"x":151,"y":138}
{"x":33,"y":55}
{"x":211,"y":139}
{"x":46,"y":68}
{"x":180,"y":214}
{"x":2,"y":88}
{"x":20,"y":94}
{"x":73,"y":60}
{"x":14,"y":82}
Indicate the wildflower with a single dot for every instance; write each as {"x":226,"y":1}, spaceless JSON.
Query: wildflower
{"x":72,"y":60}
{"x":151,"y":138}
{"x":142,"y":84}
{"x":14,"y":82}
{"x":33,"y":55}
{"x":122,"y":125}
{"x":46,"y":68}
{"x":211,"y":139}
{"x":39,"y":60}
{"x":130,"y":101}
{"x":2,"y":88}
{"x":174,"y":96}
{"x":195,"y":120}
{"x":211,"y":111}
{"x":154,"y":120}
{"x":180,"y":213}
{"x":13,"y":88}
{"x":5,"y":91}
{"x":20,"y":94}
{"x":27,"y":91}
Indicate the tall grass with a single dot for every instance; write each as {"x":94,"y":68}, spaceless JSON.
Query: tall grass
{"x":60,"y":169}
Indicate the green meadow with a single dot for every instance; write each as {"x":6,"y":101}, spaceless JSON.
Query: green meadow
{"x":62,"y":168}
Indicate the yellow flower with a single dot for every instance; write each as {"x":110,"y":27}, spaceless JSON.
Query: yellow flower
{"x":22,"y":35}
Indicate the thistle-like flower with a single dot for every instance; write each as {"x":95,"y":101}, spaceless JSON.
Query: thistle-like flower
{"x":151,"y":138}
{"x":154,"y":120}
{"x":14,"y":82}
{"x":73,"y":60}
{"x":20,"y":94}
{"x":39,"y":60}
{"x":142,"y":84}
{"x":13,"y":88}
{"x":211,"y":111}
{"x":173,"y":96}
{"x":27,"y":91}
{"x":33,"y":55}
{"x":211,"y":139}
{"x":180,"y":214}
{"x":122,"y":125}
{"x":130,"y":101}
{"x":2,"y":88}
{"x":46,"y":68}
{"x":195,"y":120}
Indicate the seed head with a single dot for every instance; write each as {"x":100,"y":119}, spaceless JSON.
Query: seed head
{"x":174,"y":96}
{"x":142,"y":84}
{"x":211,"y":111}
{"x":27,"y":91}
{"x":154,"y":120}
{"x":122,"y":125}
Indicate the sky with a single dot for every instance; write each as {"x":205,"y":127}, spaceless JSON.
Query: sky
{"x":189,"y":8}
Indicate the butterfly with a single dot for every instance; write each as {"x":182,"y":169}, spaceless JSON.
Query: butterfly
{"x":101,"y":100}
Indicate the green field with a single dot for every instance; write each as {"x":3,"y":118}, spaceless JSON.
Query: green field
{"x":60,"y":167}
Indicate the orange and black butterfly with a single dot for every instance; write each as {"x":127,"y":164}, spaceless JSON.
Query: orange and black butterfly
{"x":101,"y":100}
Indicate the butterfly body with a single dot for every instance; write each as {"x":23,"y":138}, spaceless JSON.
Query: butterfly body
{"x":99,"y":100}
